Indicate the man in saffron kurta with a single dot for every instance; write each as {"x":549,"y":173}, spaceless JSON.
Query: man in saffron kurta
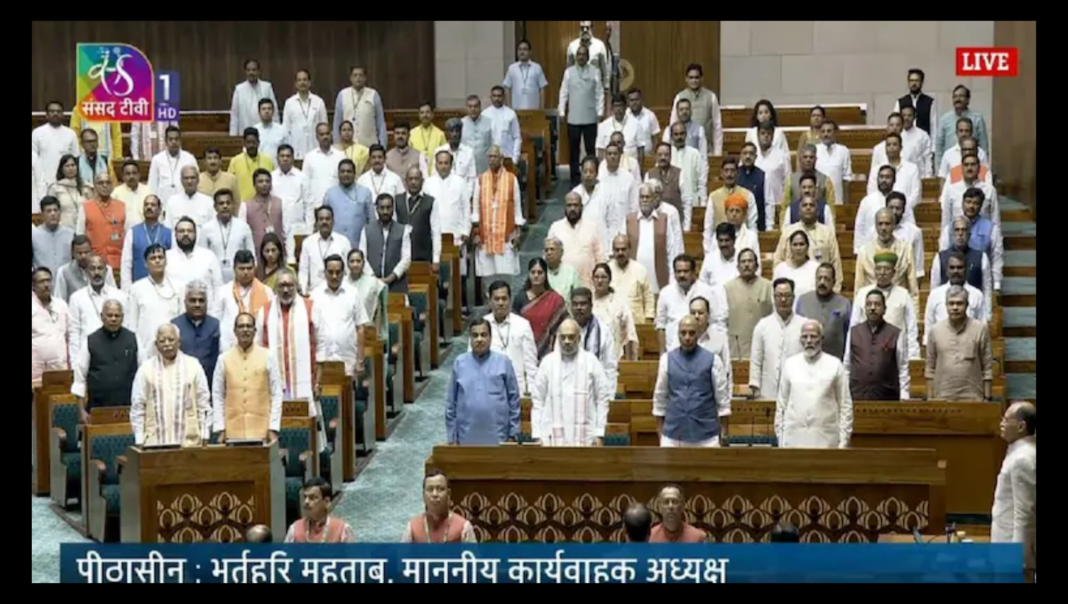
{"x":103,"y":221}
{"x":496,"y":215}
{"x":673,"y":528}
{"x":171,"y":400}
{"x":483,"y":404}
{"x":247,"y":389}
{"x":438,"y":524}
{"x":287,"y":331}
{"x":318,"y":526}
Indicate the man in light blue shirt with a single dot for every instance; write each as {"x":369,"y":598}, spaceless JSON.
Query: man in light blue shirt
{"x":525,"y":81}
{"x":946,"y":136}
{"x":483,"y":405}
{"x":352,"y":203}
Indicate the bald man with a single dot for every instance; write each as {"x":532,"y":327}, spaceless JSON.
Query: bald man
{"x":637,"y":523}
{"x":1015,"y":513}
{"x":674,"y":529}
{"x":171,"y":399}
{"x":570,"y":394}
{"x":189,"y":202}
{"x":815,"y":408}
{"x":692,"y":398}
{"x":259,"y":534}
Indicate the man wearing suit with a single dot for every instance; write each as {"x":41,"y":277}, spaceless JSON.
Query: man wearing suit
{"x":1015,"y":514}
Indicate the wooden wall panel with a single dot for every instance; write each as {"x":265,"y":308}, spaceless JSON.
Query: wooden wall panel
{"x":1013,"y":126}
{"x":209,"y":55}
{"x":549,"y":40}
{"x":659,"y":51}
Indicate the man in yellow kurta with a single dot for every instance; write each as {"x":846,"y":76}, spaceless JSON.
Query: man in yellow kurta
{"x":171,"y":401}
{"x":426,"y":137}
{"x":245,"y":165}
{"x":247,"y":388}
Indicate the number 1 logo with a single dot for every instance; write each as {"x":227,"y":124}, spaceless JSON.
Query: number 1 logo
{"x":168,"y":90}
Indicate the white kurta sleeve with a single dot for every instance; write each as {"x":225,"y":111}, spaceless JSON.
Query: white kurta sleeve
{"x":717,"y":127}
{"x":274,"y":381}
{"x":702,"y":143}
{"x":203,"y":402}
{"x":660,"y":391}
{"x":81,"y":372}
{"x":520,"y":219}
{"x":435,"y":227}
{"x":603,"y":392}
{"x":74,"y":330}
{"x":756,"y":357}
{"x":218,"y":393}
{"x":235,"y":112}
{"x":928,"y":317}
{"x":780,"y":404}
{"x":912,"y":330}
{"x":611,"y":359}
{"x":540,"y":411}
{"x":1024,"y":490}
{"x":724,"y":388}
{"x":904,"y":378}
{"x":562,"y":107}
{"x":988,"y":291}
{"x":126,"y":264}
{"x":138,"y":403}
{"x":406,"y":253}
{"x":79,"y":225}
{"x":845,"y":407}
{"x":709,"y":231}
{"x":997,"y":257}
{"x":719,"y":314}
{"x":530,"y":356}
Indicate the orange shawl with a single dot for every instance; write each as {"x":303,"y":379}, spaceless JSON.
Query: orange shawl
{"x":257,"y":298}
{"x":495,"y":226}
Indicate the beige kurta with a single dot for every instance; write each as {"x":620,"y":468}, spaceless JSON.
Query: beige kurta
{"x":904,"y":271}
{"x":747,"y":304}
{"x":171,"y":404}
{"x":612,"y":310}
{"x":633,"y":283}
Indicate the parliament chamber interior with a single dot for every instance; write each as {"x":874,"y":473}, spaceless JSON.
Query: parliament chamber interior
{"x":555,"y":315}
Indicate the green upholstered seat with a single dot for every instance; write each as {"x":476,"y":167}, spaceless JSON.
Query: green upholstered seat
{"x":113,"y":497}
{"x":617,"y":440}
{"x":420,"y":305}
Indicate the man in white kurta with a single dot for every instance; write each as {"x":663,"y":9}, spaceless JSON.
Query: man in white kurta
{"x":570,"y":395}
{"x":301,"y":113}
{"x":894,"y":125}
{"x":674,"y":302}
{"x":776,"y":338}
{"x":618,"y":190}
{"x":320,"y":165}
{"x":712,"y":339}
{"x":1015,"y":512}
{"x":834,"y":160}
{"x":340,"y":317}
{"x":245,"y":104}
{"x":379,"y":179}
{"x":463,"y":156}
{"x":87,"y":303}
{"x":918,"y":142}
{"x":512,"y":336}
{"x":582,"y":239}
{"x":226,"y":234}
{"x":187,"y":262}
{"x":814,"y":408}
{"x":189,"y":202}
{"x":693,"y":168}
{"x":452,"y":202}
{"x":290,"y":185}
{"x":153,"y":301}
{"x":51,"y":141}
{"x":319,"y":246}
{"x":170,"y":402}
{"x":906,"y":176}
{"x":243,"y":294}
{"x":504,"y":124}
{"x":165,"y":171}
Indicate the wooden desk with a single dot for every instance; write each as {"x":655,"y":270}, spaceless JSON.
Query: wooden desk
{"x":551,"y":495}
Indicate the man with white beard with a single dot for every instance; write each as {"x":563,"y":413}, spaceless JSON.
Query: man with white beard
{"x":814,"y":409}
{"x":570,"y":394}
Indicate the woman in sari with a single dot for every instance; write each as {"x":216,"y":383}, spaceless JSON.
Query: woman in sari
{"x":272,"y":257}
{"x":539,"y":304}
{"x":352,"y":149}
{"x":614,"y":311}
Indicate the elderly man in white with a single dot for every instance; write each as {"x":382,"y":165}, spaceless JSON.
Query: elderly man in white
{"x":1015,"y":512}
{"x":570,"y":394}
{"x":170,"y":403}
{"x":776,"y":338}
{"x":814,"y":408}
{"x":87,"y":304}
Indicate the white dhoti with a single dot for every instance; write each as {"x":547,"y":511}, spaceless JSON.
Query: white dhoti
{"x":678,"y":444}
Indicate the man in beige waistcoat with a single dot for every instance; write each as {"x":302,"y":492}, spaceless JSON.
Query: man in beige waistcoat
{"x":749,"y":299}
{"x":247,"y":388}
{"x":171,"y":400}
{"x":362,"y":106}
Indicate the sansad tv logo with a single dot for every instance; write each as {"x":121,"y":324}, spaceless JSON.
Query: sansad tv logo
{"x":115,"y":84}
{"x":989,"y":62}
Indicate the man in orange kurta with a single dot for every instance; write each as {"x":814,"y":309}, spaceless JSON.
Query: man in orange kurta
{"x":247,"y":388}
{"x":674,"y":528}
{"x":438,"y":524}
{"x":103,"y":221}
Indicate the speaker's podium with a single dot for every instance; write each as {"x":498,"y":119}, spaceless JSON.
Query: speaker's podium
{"x":210,"y":494}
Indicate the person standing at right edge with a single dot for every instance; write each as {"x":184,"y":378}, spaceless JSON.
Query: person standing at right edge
{"x":582,"y":105}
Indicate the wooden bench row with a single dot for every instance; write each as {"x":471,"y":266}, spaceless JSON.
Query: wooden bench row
{"x":965,"y":434}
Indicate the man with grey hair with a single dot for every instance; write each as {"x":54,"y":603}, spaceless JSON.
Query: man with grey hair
{"x":655,"y":234}
{"x":189,"y":202}
{"x":200,"y":334}
{"x":477,"y":133}
{"x":563,"y":278}
{"x":105,"y":368}
{"x":806,"y":164}
{"x":960,"y":360}
{"x":814,"y":409}
{"x":570,"y":394}
{"x":86,"y":304}
{"x":1015,"y":512}
{"x":171,"y":402}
